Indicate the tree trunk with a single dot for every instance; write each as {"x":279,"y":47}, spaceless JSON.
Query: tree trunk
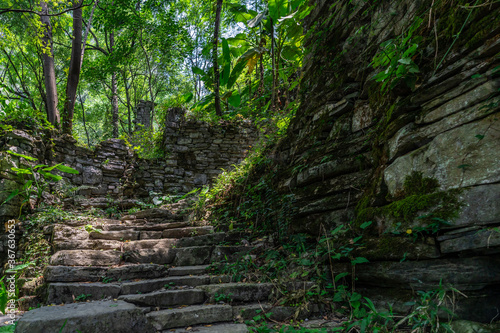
{"x":86,"y":34}
{"x":218,"y":10}
{"x":74,"y":71}
{"x":49,"y":72}
{"x":127,"y":95}
{"x":273,"y":96}
{"x":114,"y":91}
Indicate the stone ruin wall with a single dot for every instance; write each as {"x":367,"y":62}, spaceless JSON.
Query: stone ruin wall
{"x":196,"y":153}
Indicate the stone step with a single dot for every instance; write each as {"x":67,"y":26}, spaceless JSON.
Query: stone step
{"x":85,"y":258}
{"x":188,"y":316}
{"x":210,"y":239}
{"x":101,"y":316}
{"x":147,"y":286}
{"x":193,"y":256}
{"x":89,"y":244}
{"x":188,"y":270}
{"x":95,"y":274}
{"x":166,"y":298}
{"x":62,"y":292}
{"x":146,"y":226}
{"x":153,"y":213}
{"x":277,"y":313}
{"x":187,"y":232}
{"x":119,"y":235}
{"x":103,"y":244}
{"x":238,"y":292}
{"x":218,"y":328}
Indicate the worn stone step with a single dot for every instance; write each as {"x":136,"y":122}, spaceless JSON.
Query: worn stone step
{"x":231,"y":252}
{"x":278,"y":313}
{"x":85,"y":258}
{"x":188,"y":270}
{"x":218,"y":328}
{"x":166,"y":298}
{"x":94,"y":274}
{"x":238,"y":292}
{"x":149,"y":244}
{"x":146,"y":286}
{"x":89,"y":244}
{"x":152,"y":214}
{"x":192,"y":256}
{"x":145,"y":226}
{"x":119,"y":235}
{"x":157,"y":255}
{"x":101,"y":316}
{"x":188,"y":316}
{"x":62,"y":292}
{"x":59,"y":293}
{"x":215,"y":238}
{"x":187,"y":232}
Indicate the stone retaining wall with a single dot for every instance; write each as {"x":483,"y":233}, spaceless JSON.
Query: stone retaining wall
{"x":196,"y":153}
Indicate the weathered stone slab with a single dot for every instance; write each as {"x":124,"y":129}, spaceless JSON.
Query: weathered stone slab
{"x":59,"y":293}
{"x":115,"y":235}
{"x":239,"y":292}
{"x":481,"y":206}
{"x":158,"y":256}
{"x":102,"y":316}
{"x":187,"y":270}
{"x":474,"y":240}
{"x":63,"y":233}
{"x":85,"y":258}
{"x":166,"y":298}
{"x":149,"y":244}
{"x":150,"y":213}
{"x":192,"y":256}
{"x":188,"y":316}
{"x":457,"y":158}
{"x":187,"y":232}
{"x":220,"y":328}
{"x":92,"y":244}
{"x":150,"y":285}
{"x":462,"y":273}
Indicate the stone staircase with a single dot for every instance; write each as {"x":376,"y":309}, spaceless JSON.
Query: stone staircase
{"x":145,"y":273}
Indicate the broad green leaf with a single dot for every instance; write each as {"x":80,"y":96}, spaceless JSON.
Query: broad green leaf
{"x":186,"y":98}
{"x":4,"y":296}
{"x":359,"y":260}
{"x":198,"y":70}
{"x":225,"y":74}
{"x":11,"y":196}
{"x":256,"y":20}
{"x":66,"y":169}
{"x":277,"y":8}
{"x":234,"y":100}
{"x":21,"y":171}
{"x":405,"y":61}
{"x":365,"y":225}
{"x":290,"y":53}
{"x":225,"y":51}
{"x":29,"y":158}
{"x":340,"y":276}
{"x":50,"y":175}
{"x":237,"y":70}
{"x":27,"y":185}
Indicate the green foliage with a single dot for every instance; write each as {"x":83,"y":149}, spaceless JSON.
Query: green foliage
{"x":36,"y":179}
{"x":396,"y":59}
{"x":225,"y":298}
{"x":82,"y":297}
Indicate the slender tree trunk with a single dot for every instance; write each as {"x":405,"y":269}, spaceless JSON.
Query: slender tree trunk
{"x":74,"y":71}
{"x":218,"y":10}
{"x":114,"y":91}
{"x":83,"y":119}
{"x":127,"y":95}
{"x":273,"y":96}
{"x":87,"y":30}
{"x":49,"y":72}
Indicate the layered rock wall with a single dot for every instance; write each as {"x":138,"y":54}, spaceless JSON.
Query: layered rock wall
{"x":354,"y":149}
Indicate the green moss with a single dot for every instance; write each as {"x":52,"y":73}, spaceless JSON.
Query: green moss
{"x":420,"y":200}
{"x":415,"y":184}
